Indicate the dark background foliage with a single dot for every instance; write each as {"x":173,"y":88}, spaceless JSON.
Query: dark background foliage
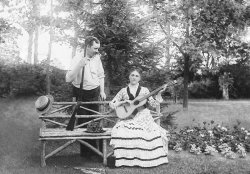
{"x":27,"y":79}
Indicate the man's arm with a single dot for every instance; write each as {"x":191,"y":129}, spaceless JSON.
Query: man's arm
{"x":101,"y":80}
{"x":78,"y":64}
{"x":102,"y":93}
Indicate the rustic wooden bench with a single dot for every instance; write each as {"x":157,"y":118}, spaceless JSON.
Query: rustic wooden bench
{"x":54,"y":128}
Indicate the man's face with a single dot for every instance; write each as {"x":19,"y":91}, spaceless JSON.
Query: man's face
{"x":94,"y":49}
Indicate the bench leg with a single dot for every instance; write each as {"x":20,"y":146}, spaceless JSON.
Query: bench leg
{"x":43,"y":163}
{"x":104,"y":150}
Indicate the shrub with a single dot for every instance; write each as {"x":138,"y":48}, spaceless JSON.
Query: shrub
{"x":210,"y":138}
{"x":205,"y":88}
{"x":27,"y":79}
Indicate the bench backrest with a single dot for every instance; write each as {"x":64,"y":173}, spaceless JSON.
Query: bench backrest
{"x":60,"y":114}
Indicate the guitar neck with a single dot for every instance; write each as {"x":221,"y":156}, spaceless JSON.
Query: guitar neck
{"x":151,"y":93}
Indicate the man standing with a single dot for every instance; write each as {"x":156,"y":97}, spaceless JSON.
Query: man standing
{"x":93,"y":81}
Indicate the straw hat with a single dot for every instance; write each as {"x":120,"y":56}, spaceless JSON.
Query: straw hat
{"x":44,"y":103}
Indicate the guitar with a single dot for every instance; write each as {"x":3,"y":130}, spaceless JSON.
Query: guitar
{"x":124,"y":110}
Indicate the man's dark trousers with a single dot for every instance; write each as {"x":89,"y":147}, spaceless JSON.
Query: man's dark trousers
{"x":87,"y":96}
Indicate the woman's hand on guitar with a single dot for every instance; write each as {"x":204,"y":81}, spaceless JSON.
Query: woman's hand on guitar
{"x":163,"y":89}
{"x":116,"y":104}
{"x":158,"y":96}
{"x":125,"y":102}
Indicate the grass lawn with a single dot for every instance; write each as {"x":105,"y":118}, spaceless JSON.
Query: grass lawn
{"x":20,"y":148}
{"x":226,"y":113}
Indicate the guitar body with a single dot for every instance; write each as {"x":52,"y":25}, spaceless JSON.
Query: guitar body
{"x":125,"y":110}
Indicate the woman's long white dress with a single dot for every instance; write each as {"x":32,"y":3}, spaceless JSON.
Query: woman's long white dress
{"x":138,"y":141}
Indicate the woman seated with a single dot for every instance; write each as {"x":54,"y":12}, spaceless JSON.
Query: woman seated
{"x":138,"y":141}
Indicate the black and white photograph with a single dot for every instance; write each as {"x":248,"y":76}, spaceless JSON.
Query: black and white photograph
{"x":124,"y":86}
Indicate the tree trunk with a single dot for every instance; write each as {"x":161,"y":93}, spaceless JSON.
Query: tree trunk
{"x":36,"y":45}
{"x":37,"y":15}
{"x":50,"y":48}
{"x":73,"y":51}
{"x":186,"y":62}
{"x":167,"y":50}
{"x":74,"y":46}
{"x":225,"y":92}
{"x":208,"y":59}
{"x":185,"y":81}
{"x":30,"y":44}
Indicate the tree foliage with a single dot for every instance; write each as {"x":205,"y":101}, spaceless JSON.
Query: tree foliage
{"x":4,"y":26}
{"x":123,"y":41}
{"x":216,"y":27}
{"x":9,"y":53}
{"x":208,"y":30}
{"x":204,"y":39}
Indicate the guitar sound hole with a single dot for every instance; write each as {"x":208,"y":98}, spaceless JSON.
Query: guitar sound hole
{"x":136,"y":102}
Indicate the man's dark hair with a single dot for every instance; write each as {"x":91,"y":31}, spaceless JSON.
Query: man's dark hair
{"x":90,"y":40}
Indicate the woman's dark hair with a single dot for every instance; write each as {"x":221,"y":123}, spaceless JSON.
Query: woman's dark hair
{"x":90,"y":40}
{"x":137,"y":70}
{"x":132,"y":70}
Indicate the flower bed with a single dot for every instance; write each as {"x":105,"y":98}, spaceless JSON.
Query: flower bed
{"x":210,"y":139}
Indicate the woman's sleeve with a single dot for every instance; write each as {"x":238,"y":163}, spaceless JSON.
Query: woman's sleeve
{"x":116,"y":99}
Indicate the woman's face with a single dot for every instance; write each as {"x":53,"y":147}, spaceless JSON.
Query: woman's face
{"x":134,"y":77}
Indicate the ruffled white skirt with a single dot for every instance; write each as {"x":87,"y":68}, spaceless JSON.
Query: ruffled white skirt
{"x":139,"y":142}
